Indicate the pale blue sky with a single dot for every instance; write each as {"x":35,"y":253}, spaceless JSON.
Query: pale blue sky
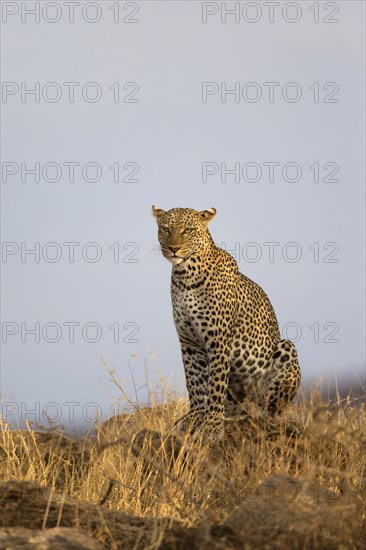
{"x":168,"y":133}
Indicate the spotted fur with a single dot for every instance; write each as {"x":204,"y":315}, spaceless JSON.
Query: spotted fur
{"x":227,"y":328}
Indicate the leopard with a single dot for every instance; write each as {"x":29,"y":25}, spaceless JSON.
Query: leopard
{"x":228,"y":332}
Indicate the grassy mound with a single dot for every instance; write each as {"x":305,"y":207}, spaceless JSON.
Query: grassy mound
{"x":292,"y":482}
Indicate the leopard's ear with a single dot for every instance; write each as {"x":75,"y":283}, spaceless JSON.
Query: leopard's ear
{"x":208,"y":215}
{"x":158,"y":213}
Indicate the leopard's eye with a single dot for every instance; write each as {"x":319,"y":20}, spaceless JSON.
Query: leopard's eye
{"x":164,"y":228}
{"x":188,"y":230}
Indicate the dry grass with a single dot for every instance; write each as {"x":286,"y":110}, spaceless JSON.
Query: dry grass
{"x":297,"y":481}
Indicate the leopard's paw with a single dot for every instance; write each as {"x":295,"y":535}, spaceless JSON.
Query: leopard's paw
{"x":191,"y":422}
{"x":213,"y":428}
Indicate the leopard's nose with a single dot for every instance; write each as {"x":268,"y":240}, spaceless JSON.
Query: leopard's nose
{"x":174,"y":249}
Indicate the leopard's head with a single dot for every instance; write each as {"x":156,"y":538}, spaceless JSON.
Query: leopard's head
{"x":183,"y":232}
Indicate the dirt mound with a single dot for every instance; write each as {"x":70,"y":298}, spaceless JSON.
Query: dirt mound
{"x":282,"y":512}
{"x":26,"y":504}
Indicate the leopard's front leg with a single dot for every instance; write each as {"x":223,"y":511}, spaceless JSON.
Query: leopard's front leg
{"x":219,"y":359}
{"x":196,"y":371}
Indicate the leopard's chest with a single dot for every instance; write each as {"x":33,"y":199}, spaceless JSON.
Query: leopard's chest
{"x":190,"y":309}
{"x":187,"y":299}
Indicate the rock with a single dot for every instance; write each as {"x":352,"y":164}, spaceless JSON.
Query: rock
{"x":59,"y":538}
{"x":289,"y":512}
